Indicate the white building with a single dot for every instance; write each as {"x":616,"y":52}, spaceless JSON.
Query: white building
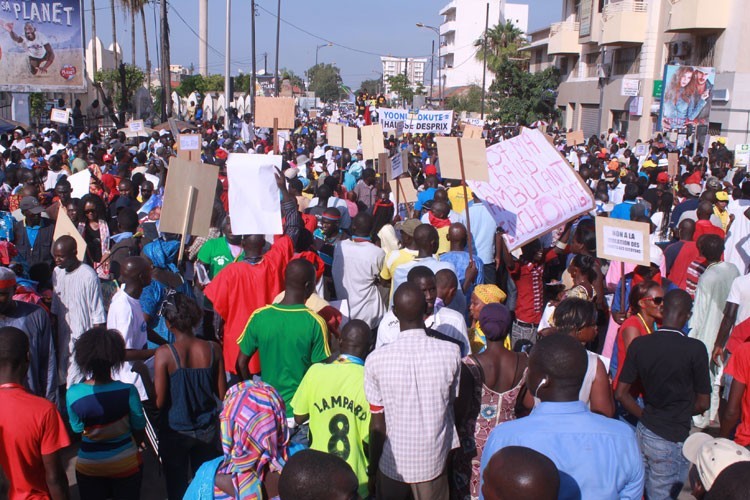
{"x":463,"y":24}
{"x":393,"y":66}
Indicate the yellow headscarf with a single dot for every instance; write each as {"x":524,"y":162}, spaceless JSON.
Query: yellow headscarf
{"x":488,"y":294}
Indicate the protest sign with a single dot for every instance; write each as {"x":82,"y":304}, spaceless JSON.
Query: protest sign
{"x":399,"y":129}
{"x":399,"y":161}
{"x":473,"y":154}
{"x":623,"y":241}
{"x":136,"y":126}
{"x":742,"y":155}
{"x":372,"y":141}
{"x":335,"y":135}
{"x":188,"y":198}
{"x":640,"y":150}
{"x":350,"y":139}
{"x":253,"y":193}
{"x":673,"y":167}
{"x":407,"y":193}
{"x":313,"y":114}
{"x":190,"y":142}
{"x":64,"y":226}
{"x":421,"y":122}
{"x":279,"y":108}
{"x":27,"y":65}
{"x":531,"y":188}
{"x":384,"y":166}
{"x":79,"y":183}
{"x":477,"y":122}
{"x":59,"y":115}
{"x":574,"y":138}
{"x":472,"y":132}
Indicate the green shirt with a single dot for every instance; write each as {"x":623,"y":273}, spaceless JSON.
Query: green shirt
{"x":333,"y":395}
{"x":289,"y":339}
{"x":216,"y":254}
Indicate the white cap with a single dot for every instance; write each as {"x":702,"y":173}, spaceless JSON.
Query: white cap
{"x":712,"y":455}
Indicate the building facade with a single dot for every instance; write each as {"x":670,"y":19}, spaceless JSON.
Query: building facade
{"x":412,"y":66}
{"x":606,"y":51}
{"x":463,"y":24}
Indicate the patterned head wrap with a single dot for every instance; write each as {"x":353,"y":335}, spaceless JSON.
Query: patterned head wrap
{"x":163,"y":254}
{"x":489,"y":294}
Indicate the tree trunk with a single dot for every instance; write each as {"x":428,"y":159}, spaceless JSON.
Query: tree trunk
{"x":114,"y":32}
{"x":132,"y":31}
{"x":94,"y":48}
{"x":165,"y":75}
{"x":145,"y":46}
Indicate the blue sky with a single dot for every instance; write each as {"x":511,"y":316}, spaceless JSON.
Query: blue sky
{"x":388,"y":29}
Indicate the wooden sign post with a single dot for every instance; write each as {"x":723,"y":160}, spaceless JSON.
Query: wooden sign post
{"x":186,"y":221}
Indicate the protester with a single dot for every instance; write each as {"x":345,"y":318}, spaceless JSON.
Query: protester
{"x":520,"y":472}
{"x":34,"y":235}
{"x":313,"y":475}
{"x":709,"y":457}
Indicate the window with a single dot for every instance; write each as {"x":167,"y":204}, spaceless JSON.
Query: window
{"x":704,"y":53}
{"x":538,"y":57}
{"x":563,"y":66}
{"x":592,"y":61}
{"x":620,"y":121}
{"x":626,"y":61}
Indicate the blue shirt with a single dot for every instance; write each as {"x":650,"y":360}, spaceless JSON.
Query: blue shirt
{"x":598,"y":457}
{"x":622,"y":210}
{"x":483,"y":228}
{"x":31,"y":233}
{"x":423,"y":197}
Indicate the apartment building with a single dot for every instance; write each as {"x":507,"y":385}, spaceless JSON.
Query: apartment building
{"x":611,"y":56}
{"x":392,"y":66}
{"x":463,"y":24}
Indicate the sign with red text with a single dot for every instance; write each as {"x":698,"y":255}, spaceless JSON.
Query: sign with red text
{"x":531,"y":188}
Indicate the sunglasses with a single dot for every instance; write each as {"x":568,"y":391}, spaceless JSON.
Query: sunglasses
{"x":89,"y":211}
{"x":656,"y":300}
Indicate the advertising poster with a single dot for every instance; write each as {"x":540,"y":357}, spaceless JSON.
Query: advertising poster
{"x":686,"y":96}
{"x":41,"y":46}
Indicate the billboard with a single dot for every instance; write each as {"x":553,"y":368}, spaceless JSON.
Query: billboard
{"x":686,"y":96}
{"x":41,"y":46}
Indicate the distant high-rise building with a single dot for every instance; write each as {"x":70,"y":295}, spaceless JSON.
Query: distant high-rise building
{"x":393,"y":66}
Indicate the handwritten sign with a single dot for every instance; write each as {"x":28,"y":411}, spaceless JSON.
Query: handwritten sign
{"x":398,"y":164}
{"x":59,"y":115}
{"x":136,"y":126}
{"x":640,"y":150}
{"x":420,"y":122}
{"x":190,"y":142}
{"x":531,"y":188}
{"x":623,"y":241}
{"x":268,"y":108}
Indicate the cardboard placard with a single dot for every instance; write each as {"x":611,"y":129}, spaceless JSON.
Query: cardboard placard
{"x":673,"y":164}
{"x":574,"y":138}
{"x":183,"y":175}
{"x":407,"y":193}
{"x":474,"y":155}
{"x":335,"y":135}
{"x":64,"y":226}
{"x":79,"y":183}
{"x":351,"y":142}
{"x":313,"y":114}
{"x":372,"y":141}
{"x":268,"y":108}
{"x":472,"y":132}
{"x":190,"y":142}
{"x":531,"y":188}
{"x":136,"y":126}
{"x":398,"y":164}
{"x":253,"y":193}
{"x":623,"y":241}
{"x":59,"y":115}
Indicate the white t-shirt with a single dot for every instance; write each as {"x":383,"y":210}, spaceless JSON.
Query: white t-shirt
{"x":52,"y":178}
{"x":739,"y":294}
{"x":355,"y":269}
{"x":446,"y":321}
{"x":737,"y":249}
{"x":126,"y":316}
{"x":35,"y":48}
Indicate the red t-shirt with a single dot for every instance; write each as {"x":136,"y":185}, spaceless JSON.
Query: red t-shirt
{"x":739,"y":368}
{"x":706,"y":227}
{"x":632,"y":321}
{"x":679,"y":273}
{"x":241,"y":288}
{"x":30,"y":427}
{"x":530,"y":290}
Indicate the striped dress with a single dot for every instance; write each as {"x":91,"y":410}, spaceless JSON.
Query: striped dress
{"x":106,"y":415}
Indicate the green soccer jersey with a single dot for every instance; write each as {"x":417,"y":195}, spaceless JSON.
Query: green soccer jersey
{"x":333,"y":395}
{"x":215,"y":253}
{"x":289,"y":339}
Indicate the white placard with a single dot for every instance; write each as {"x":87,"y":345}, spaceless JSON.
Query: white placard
{"x":531,"y":188}
{"x":397,"y":164}
{"x":640,"y":150}
{"x":59,"y":115}
{"x":630,"y":87}
{"x":253,"y":194}
{"x":79,"y":183}
{"x":136,"y":126}
{"x":623,"y":240}
{"x":421,"y":122}
{"x":399,"y":129}
{"x":190,"y":142}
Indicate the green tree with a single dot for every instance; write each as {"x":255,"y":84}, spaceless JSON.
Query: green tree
{"x":503,"y":42}
{"x":470,"y":101}
{"x":294,"y":79}
{"x":201,"y":84}
{"x":517,"y":96}
{"x":325,"y":81}
{"x":118,"y":87}
{"x":401,"y":85}
{"x":372,"y":87}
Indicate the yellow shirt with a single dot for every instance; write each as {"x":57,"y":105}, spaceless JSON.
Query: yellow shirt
{"x":456,"y":197}
{"x":723,"y":216}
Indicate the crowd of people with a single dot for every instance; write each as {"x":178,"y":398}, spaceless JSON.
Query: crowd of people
{"x":375,"y":349}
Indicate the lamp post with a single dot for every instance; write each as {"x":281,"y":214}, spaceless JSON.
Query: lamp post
{"x":317,"y":48}
{"x":440,"y":63}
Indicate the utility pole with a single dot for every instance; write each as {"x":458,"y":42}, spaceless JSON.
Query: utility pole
{"x":484,"y":59}
{"x":265,"y":63}
{"x":252,"y":49}
{"x":432,"y":70}
{"x":227,"y":69}
{"x":276,"y":77}
{"x":166,"y":85}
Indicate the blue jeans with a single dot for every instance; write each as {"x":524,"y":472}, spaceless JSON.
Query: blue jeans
{"x":666,"y":468}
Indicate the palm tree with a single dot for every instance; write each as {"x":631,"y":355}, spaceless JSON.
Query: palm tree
{"x":503,"y":42}
{"x":93,"y":39}
{"x":145,"y":42}
{"x":114,"y":31}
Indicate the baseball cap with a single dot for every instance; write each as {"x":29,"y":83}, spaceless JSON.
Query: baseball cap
{"x":430,"y":170}
{"x":30,"y":204}
{"x":662,"y":178}
{"x":107,"y":158}
{"x":712,"y":455}
{"x":693,"y":189}
{"x":408,"y":226}
{"x":722,"y":196}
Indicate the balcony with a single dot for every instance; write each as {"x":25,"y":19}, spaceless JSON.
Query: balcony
{"x":448,"y":27}
{"x":449,"y":7}
{"x":563,"y":38}
{"x":698,"y":15}
{"x":624,"y":23}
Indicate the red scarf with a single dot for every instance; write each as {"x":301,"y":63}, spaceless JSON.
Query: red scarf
{"x":438,"y":223}
{"x":381,"y":204}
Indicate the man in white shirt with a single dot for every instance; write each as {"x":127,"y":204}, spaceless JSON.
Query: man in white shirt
{"x":126,"y":316}
{"x":356,"y":265}
{"x":442,"y":323}
{"x":38,"y":48}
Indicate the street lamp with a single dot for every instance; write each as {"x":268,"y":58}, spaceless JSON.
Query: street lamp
{"x":329,"y":44}
{"x":440,"y":63}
